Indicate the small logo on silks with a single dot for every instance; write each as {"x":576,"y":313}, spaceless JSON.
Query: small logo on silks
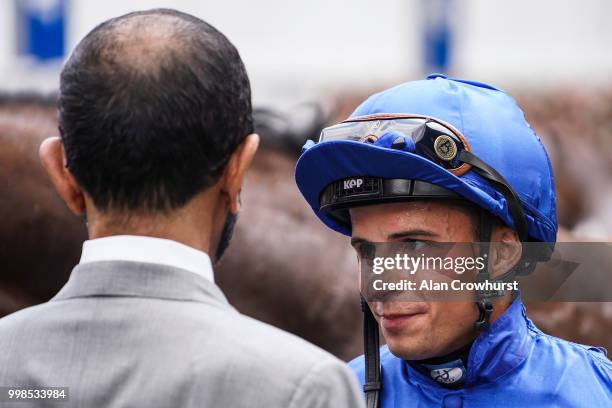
{"x":447,"y":375}
{"x":352,"y":183}
{"x":451,"y":373}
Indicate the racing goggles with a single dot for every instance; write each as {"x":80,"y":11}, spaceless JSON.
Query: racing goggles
{"x":431,"y":138}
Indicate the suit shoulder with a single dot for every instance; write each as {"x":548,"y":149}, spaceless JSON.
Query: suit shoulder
{"x":254,"y":352}
{"x":20,"y":325}
{"x":22,"y":316}
{"x":261,"y":338}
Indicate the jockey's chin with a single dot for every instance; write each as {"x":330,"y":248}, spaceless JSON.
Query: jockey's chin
{"x":421,"y":330}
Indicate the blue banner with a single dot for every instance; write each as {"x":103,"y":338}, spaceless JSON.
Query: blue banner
{"x":41,"y":27}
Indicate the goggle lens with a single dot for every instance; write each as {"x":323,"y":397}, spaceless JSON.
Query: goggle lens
{"x":432,"y":139}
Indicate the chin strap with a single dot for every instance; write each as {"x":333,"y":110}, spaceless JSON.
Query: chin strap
{"x":373,"y":383}
{"x":485,"y":308}
{"x":483,"y":297}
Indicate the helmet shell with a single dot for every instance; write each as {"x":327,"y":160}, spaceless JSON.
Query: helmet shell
{"x":491,"y":121}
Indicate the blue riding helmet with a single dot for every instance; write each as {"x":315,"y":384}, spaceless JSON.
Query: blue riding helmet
{"x":436,"y":138}
{"x":488,"y":119}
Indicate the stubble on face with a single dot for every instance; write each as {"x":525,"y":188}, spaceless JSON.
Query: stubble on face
{"x":421,"y":329}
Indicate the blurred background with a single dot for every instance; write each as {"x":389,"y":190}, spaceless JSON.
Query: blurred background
{"x":305,"y":49}
{"x":310,"y":64}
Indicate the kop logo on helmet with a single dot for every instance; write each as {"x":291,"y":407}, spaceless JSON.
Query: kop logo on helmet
{"x":352,"y":183}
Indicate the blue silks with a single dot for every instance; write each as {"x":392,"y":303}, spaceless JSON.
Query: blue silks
{"x":514,"y":364}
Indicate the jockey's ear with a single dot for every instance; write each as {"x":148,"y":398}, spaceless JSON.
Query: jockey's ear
{"x":53,"y":159}
{"x":505,"y":250}
{"x":233,"y":175}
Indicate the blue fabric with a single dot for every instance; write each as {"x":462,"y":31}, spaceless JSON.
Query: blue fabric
{"x":496,"y":131}
{"x":514,"y":364}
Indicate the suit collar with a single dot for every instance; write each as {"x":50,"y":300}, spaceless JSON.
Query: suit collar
{"x":138,"y":248}
{"x":139,"y":279}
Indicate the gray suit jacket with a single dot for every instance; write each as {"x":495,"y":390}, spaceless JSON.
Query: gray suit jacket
{"x":128,"y":334}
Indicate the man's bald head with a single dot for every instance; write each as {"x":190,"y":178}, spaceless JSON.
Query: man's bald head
{"x":144,"y":42}
{"x":152,"y":104}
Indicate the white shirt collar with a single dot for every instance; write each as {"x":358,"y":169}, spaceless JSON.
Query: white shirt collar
{"x":147,"y":249}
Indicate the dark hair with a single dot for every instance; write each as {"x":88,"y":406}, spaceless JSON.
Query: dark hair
{"x":152,"y":104}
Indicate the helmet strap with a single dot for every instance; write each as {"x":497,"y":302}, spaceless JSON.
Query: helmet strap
{"x":483,"y":298}
{"x":371,"y":345}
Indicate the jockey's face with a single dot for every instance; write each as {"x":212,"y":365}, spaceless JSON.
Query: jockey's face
{"x":420,"y":329}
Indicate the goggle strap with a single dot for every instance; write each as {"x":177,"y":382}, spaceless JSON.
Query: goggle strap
{"x":513,"y":201}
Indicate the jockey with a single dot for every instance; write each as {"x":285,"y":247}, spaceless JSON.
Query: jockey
{"x":451,"y":160}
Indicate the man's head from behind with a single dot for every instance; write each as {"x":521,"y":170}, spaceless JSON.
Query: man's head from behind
{"x":155,"y":122}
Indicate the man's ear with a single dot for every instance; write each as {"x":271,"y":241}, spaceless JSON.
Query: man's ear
{"x":236,"y":168}
{"x":505,"y":251}
{"x":52,"y":156}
